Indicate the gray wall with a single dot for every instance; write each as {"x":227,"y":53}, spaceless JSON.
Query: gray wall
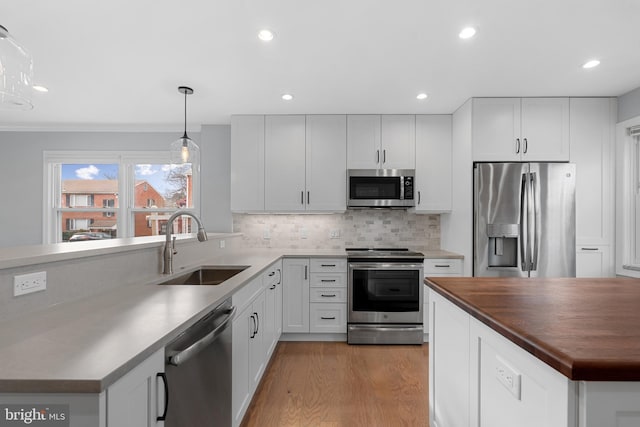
{"x":629,"y":105}
{"x":22,"y":173}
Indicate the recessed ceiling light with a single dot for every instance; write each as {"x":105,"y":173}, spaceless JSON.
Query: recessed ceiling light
{"x":467,"y":33}
{"x":40,"y":88}
{"x":591,"y":64}
{"x":266,"y":35}
{"x":287,"y":97}
{"x":422,"y":96}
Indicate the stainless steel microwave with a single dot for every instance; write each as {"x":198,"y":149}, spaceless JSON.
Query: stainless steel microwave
{"x":380,"y":188}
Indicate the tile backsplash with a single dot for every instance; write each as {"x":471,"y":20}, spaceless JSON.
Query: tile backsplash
{"x":355,"y":228}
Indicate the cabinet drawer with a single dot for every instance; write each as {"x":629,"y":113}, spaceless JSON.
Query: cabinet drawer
{"x":247,"y":294}
{"x":328,"y":317}
{"x":328,"y":265}
{"x":433,"y":267}
{"x":324,"y":280}
{"x":328,"y":295}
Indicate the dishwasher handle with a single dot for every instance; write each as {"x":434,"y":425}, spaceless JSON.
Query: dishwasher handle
{"x":182,"y":356}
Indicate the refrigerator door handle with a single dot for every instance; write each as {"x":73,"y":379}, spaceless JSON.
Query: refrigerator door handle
{"x":534,"y":224}
{"x":524,"y":233}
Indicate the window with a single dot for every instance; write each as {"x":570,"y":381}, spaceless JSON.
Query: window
{"x":628,"y":198}
{"x":109,"y":194}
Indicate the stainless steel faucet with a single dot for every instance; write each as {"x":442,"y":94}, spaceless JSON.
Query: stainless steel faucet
{"x":170,"y":245}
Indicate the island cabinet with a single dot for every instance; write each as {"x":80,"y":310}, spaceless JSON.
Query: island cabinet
{"x":381,"y":141}
{"x":433,"y":180}
{"x":501,"y":366}
{"x":520,"y":129}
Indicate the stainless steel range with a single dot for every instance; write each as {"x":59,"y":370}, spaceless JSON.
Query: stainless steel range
{"x":385,"y":295}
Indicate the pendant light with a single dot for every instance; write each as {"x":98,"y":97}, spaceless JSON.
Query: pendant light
{"x":184,"y":150}
{"x":16,"y":73}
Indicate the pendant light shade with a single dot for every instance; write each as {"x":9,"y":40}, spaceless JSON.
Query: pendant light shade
{"x":16,"y":74}
{"x":184,"y":150}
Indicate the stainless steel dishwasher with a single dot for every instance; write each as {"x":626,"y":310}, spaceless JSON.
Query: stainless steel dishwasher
{"x":198,"y":372}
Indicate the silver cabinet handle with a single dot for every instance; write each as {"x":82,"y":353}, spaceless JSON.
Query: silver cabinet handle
{"x":182,"y":356}
{"x":308,"y":197}
{"x":327,"y":265}
{"x":384,"y":156}
{"x":443,"y":265}
{"x":517,"y":145}
{"x":327,"y":280}
{"x":418,"y":197}
{"x":328,"y":318}
{"x":279,"y":276}
{"x":525,"y":147}
{"x":377,"y":156}
{"x":302,"y":197}
{"x":589,"y":249}
{"x":305,"y":272}
{"x":163,"y":417}
{"x":328,"y":295}
{"x":253,"y":329}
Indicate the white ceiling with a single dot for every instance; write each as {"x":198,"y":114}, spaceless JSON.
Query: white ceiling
{"x":119,"y":62}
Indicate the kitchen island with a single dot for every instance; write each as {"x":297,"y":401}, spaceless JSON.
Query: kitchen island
{"x":534,"y":352}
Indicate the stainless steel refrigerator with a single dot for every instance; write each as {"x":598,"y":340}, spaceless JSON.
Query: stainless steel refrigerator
{"x":524,"y":220}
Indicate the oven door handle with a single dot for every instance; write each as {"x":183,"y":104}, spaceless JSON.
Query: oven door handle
{"x":383,"y":265}
{"x":386,"y":329}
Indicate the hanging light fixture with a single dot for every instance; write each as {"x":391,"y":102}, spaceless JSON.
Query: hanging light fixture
{"x":16,"y":73}
{"x":184,"y":150}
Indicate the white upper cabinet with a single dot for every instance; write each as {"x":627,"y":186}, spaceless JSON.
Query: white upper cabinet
{"x":520,"y":129}
{"x":381,"y":142}
{"x":433,"y":163}
{"x":326,"y":163}
{"x":247,"y":163}
{"x":284,"y":176}
{"x":398,"y":139}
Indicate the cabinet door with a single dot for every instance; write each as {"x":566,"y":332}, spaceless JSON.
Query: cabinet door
{"x":270,"y":327}
{"x":593,"y":261}
{"x":398,"y":141}
{"x":257,"y":352}
{"x":295,"y":295}
{"x":247,"y":163}
{"x":433,"y":179}
{"x":363,"y":142}
{"x":592,"y":151}
{"x":326,"y":163}
{"x":496,"y":129}
{"x":132,"y":401}
{"x":284,"y":177}
{"x":545,"y":129}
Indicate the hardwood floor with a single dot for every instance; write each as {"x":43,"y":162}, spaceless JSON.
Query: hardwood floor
{"x":329,"y":384}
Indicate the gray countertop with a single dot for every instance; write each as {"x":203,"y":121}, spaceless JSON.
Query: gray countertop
{"x":84,"y":346}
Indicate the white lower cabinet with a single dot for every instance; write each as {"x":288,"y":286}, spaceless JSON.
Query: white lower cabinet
{"x":315,"y":295}
{"x":438,"y":267}
{"x":137,"y":399}
{"x":256,"y":331}
{"x":295,"y":295}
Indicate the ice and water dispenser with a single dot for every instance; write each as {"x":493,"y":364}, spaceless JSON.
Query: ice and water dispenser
{"x":503,"y":245}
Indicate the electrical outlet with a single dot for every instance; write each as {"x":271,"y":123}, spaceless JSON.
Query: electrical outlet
{"x":508,"y":377}
{"x":334,"y":234}
{"x":222,"y":244}
{"x":266,"y":233}
{"x":27,"y":283}
{"x":304,"y":233}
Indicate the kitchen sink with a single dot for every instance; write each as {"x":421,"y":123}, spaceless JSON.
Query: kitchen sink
{"x":213,"y":275}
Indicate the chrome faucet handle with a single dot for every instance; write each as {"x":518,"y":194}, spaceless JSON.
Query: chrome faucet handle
{"x":173,"y":245}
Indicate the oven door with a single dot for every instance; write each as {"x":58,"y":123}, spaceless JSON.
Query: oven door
{"x":385,"y":293}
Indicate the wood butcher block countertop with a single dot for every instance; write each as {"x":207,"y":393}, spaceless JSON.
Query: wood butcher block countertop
{"x":587,"y":329}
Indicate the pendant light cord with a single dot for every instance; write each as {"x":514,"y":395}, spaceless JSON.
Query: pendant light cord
{"x":185,"y":113}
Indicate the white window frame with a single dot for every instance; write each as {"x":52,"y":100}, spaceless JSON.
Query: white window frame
{"x":627,"y":190}
{"x":126,"y":187}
